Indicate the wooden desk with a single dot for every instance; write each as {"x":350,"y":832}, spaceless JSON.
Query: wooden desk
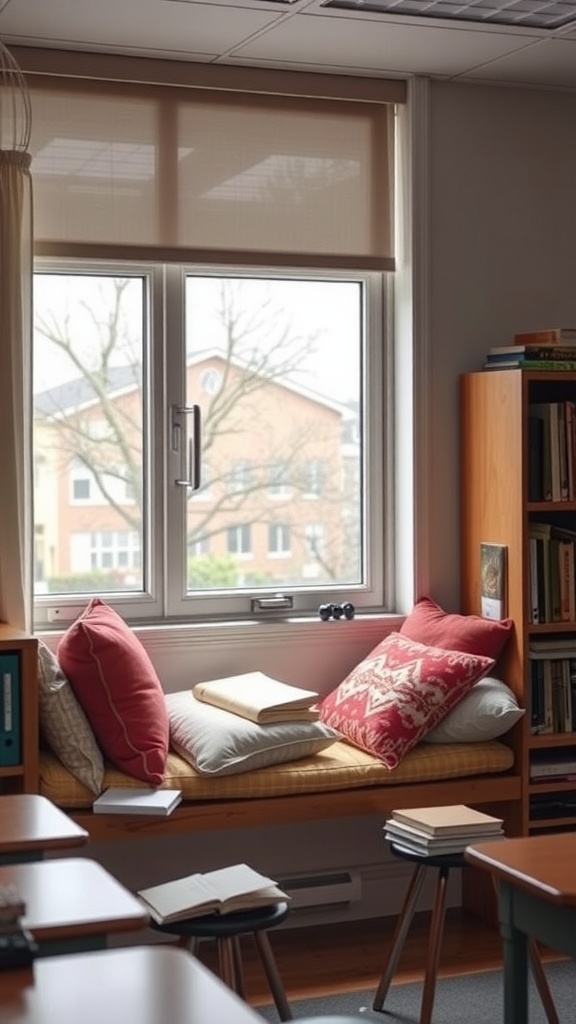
{"x":139,"y":985}
{"x":73,"y":903}
{"x":536,"y":881}
{"x":31,"y":824}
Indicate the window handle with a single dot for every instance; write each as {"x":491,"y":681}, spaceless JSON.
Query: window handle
{"x":191,"y":450}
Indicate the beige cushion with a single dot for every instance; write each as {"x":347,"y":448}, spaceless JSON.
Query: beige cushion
{"x":339,"y":767}
{"x":64,"y":724}
{"x":217,"y":742}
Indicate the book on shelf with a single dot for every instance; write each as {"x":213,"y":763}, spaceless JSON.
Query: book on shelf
{"x":259,"y":698}
{"x":493,"y":581}
{"x":451,"y":820}
{"x":547,"y":336}
{"x":525,"y":363}
{"x":512,"y":353}
{"x":224,"y":891}
{"x":552,"y":692}
{"x":563,"y":646}
{"x":552,"y":764}
{"x":137,"y":800}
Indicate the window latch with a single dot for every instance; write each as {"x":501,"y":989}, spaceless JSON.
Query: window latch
{"x":279,"y":602}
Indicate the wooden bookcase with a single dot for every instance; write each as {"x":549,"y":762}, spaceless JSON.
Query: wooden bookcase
{"x":495,"y":507}
{"x":22,"y":777}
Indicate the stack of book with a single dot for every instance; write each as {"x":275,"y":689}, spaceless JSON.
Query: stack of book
{"x":551,"y":349}
{"x":438,"y":831}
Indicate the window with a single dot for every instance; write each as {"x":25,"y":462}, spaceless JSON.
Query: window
{"x":186,"y":412}
{"x":313,"y":482}
{"x":239,"y":540}
{"x":279,"y":476}
{"x":279,"y":539}
{"x":286,"y":422}
{"x":81,"y":489}
{"x":241,"y":477}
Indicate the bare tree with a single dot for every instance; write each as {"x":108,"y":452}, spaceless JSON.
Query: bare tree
{"x":97,"y":419}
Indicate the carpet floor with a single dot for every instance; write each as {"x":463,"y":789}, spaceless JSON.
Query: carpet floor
{"x":465,"y":999}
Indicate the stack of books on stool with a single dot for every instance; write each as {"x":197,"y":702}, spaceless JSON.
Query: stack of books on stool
{"x":440,"y":831}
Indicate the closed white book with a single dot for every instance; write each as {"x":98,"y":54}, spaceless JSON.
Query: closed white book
{"x":125,"y":800}
{"x":223,"y":891}
{"x":260,"y":698}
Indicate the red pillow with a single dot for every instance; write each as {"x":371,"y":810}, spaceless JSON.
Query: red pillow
{"x":116,"y":684}
{"x":428,"y":623}
{"x":398,"y":694}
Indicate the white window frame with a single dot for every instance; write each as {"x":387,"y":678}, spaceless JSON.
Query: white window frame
{"x":164,"y":597}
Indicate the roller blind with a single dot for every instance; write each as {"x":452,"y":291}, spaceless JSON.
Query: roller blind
{"x":206,"y":171}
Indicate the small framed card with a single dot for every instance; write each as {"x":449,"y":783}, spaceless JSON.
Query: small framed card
{"x":493,"y":581}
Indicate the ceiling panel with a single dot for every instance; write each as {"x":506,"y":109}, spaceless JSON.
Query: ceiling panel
{"x":385,"y":46}
{"x":150,"y":26}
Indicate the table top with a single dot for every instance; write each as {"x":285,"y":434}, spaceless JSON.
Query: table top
{"x":29,"y":822}
{"x":140,"y":984}
{"x":542,"y":865}
{"x":72,"y":897}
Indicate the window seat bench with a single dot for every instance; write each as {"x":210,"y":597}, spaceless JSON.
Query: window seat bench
{"x":338,"y":782}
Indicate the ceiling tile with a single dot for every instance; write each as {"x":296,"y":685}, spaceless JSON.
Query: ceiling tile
{"x":150,"y":26}
{"x":387,"y":46}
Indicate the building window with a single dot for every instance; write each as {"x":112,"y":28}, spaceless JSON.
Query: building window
{"x":239,"y":540}
{"x":189,"y":400}
{"x":241,"y":477}
{"x":81,"y":489}
{"x":313,"y":478}
{"x":279,"y":539}
{"x":279,"y":480}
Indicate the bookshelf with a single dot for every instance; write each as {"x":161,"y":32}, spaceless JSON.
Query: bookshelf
{"x":19,"y":760}
{"x":502,"y":499}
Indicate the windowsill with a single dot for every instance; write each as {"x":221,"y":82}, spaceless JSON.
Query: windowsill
{"x":370,"y":626}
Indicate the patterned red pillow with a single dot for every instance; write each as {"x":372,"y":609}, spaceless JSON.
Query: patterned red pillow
{"x":428,"y":623}
{"x":399,"y":693}
{"x":116,"y":684}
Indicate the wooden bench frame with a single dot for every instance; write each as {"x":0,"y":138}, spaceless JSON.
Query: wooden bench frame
{"x":501,"y":793}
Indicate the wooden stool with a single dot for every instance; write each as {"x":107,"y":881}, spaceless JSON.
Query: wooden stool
{"x":226,"y":930}
{"x":443,"y":864}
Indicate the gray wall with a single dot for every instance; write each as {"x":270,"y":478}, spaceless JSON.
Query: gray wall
{"x":503,"y":257}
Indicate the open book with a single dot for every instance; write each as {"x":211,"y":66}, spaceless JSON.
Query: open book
{"x":238,"y":887}
{"x":260,"y":698}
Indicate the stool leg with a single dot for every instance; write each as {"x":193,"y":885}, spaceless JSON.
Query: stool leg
{"x":274,"y":981}
{"x":238,"y":968}
{"x":226,"y":962}
{"x":434,"y":944}
{"x":400,"y":933}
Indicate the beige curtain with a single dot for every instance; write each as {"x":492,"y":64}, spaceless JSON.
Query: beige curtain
{"x":15,"y":389}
